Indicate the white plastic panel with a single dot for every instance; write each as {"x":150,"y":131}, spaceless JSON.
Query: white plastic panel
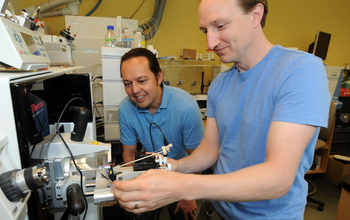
{"x":113,"y":93}
{"x":111,"y":69}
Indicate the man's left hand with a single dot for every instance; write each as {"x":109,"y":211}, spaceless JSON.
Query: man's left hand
{"x":189,"y":208}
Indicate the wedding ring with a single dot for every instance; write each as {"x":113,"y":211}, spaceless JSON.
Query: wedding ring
{"x":136,"y":204}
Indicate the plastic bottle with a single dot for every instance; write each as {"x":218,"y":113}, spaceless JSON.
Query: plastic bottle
{"x":128,"y":42}
{"x":110,"y":37}
{"x":127,"y":33}
{"x":139,"y":40}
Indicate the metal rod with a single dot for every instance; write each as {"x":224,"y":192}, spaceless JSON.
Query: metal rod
{"x":151,"y":155}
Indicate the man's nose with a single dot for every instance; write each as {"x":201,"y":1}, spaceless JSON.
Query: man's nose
{"x":212,"y":40}
{"x":135,"y":88}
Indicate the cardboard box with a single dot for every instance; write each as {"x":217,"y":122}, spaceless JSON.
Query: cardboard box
{"x":189,"y":54}
{"x":336,"y":170}
{"x":343,"y":211}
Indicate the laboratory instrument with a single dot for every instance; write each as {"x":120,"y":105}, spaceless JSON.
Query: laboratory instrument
{"x":22,"y":48}
{"x":60,"y":49}
{"x":143,"y":162}
{"x":20,"y":44}
{"x":50,"y":163}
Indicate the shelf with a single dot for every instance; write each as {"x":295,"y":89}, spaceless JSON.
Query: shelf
{"x":315,"y":171}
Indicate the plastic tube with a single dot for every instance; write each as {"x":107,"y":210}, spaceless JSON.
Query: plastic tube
{"x":158,"y":17}
{"x":49,"y":5}
{"x":94,"y":9}
{"x":70,"y":9}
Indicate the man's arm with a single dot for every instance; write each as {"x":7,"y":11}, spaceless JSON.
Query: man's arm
{"x":190,"y":151}
{"x":129,"y":152}
{"x":205,"y":155}
{"x":269,"y":180}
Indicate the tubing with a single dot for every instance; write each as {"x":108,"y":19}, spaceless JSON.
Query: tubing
{"x":158,"y":18}
{"x":94,"y":9}
{"x":150,"y":22}
{"x":48,"y":5}
{"x":70,"y":9}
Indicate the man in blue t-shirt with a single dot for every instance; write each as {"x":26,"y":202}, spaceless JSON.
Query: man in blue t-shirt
{"x":153,"y":111}
{"x":263,"y":120}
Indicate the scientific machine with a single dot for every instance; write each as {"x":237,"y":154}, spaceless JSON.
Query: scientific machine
{"x":63,"y":171}
{"x":60,"y":49}
{"x":46,"y":174}
{"x":20,"y":45}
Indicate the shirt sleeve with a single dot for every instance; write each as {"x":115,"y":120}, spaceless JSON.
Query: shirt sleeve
{"x":303,"y":97}
{"x":128,"y":135}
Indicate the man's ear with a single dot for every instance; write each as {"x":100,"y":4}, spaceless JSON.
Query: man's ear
{"x":160,"y":78}
{"x":257,"y":13}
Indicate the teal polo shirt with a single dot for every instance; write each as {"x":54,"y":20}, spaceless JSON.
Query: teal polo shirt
{"x":178,"y":117}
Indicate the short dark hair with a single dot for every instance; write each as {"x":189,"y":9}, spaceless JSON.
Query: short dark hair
{"x":142,"y":52}
{"x":248,"y":5}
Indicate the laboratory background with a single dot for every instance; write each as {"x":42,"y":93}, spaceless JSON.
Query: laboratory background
{"x":63,"y":57}
{"x":290,"y":23}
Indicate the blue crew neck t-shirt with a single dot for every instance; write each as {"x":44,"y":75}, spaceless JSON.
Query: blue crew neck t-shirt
{"x":286,"y":85}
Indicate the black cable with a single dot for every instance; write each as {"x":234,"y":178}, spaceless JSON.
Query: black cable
{"x":95,"y":107}
{"x":150,"y":134}
{"x":137,"y":9}
{"x":38,"y":135}
{"x":70,"y":152}
{"x":97,"y":77}
{"x":94,"y":9}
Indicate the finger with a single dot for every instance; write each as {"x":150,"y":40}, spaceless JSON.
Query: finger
{"x":133,"y":207}
{"x":125,"y":186}
{"x":125,"y":196}
{"x":177,"y":208}
{"x":192,"y":216}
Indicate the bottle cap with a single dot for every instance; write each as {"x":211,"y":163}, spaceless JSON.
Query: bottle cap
{"x":110,"y":27}
{"x":128,"y":39}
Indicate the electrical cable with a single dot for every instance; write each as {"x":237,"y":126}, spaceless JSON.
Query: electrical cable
{"x":97,"y":77}
{"x":154,"y":151}
{"x":95,"y":107}
{"x":137,"y":9}
{"x":150,"y":134}
{"x":70,"y":152}
{"x":94,"y":8}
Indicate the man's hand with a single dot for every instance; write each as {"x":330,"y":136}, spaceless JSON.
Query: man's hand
{"x":189,"y":208}
{"x":151,"y":190}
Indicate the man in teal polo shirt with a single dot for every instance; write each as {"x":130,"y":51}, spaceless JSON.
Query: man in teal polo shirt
{"x":151,"y":104}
